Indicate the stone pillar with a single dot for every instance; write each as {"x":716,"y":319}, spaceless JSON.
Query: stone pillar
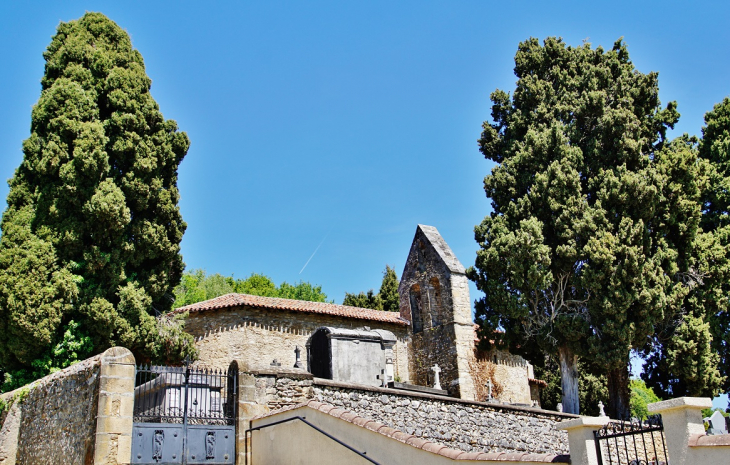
{"x":581,"y":441}
{"x":682,"y":418}
{"x":114,"y":419}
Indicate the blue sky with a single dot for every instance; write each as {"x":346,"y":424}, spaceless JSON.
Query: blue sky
{"x":347,"y":123}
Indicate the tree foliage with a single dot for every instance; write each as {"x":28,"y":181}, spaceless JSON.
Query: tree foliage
{"x":387,"y":299}
{"x":593,"y":213}
{"x":92,"y":229}
{"x":197,"y":286}
{"x":641,"y":396}
{"x":690,"y":355}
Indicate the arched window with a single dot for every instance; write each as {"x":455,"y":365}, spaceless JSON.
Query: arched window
{"x":435,"y":302}
{"x":415,"y":300}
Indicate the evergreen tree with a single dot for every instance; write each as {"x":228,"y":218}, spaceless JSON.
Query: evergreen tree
{"x":197,"y":286}
{"x":387,"y":299}
{"x":690,"y":355}
{"x":389,"y":290}
{"x":583,"y":251}
{"x":362,"y":300}
{"x":92,"y":230}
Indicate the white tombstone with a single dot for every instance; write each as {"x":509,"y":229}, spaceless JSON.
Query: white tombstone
{"x":436,"y":380}
{"x":601,"y":413}
{"x":717,"y":423}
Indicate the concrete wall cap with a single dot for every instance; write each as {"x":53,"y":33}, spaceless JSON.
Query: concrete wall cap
{"x":680,"y":402}
{"x":712,"y":440}
{"x":119,"y":355}
{"x":582,"y":422}
{"x":282,"y":372}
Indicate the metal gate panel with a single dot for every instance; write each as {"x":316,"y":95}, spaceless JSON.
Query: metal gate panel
{"x":157,"y":443}
{"x":184,"y":416}
{"x":214,"y":445}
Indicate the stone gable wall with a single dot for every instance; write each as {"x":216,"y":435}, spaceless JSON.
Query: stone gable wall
{"x":54,"y":419}
{"x":441,"y":299}
{"x":258,"y":336}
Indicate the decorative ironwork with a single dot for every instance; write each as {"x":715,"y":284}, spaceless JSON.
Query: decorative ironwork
{"x":184,"y":415}
{"x":210,"y":445}
{"x":195,"y":396}
{"x":632,"y":442}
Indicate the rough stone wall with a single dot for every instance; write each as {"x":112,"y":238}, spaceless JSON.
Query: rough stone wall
{"x":258,"y":336}
{"x":512,"y":373}
{"x":467,"y":426}
{"x":434,"y":289}
{"x":57,"y":417}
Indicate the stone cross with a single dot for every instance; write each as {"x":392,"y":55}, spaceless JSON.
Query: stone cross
{"x":601,"y":413}
{"x":298,"y":353}
{"x":489,"y":389}
{"x":383,"y":378}
{"x":436,"y":380}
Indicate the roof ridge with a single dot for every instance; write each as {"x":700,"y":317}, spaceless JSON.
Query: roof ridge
{"x":280,"y":303}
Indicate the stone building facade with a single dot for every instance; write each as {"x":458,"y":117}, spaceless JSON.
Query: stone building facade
{"x":434,"y":327}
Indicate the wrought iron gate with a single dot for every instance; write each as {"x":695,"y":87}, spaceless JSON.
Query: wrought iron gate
{"x":633,"y":442}
{"x":184,"y":415}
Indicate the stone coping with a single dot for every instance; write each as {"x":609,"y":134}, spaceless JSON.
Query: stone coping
{"x":280,"y":372}
{"x":591,"y":422}
{"x":680,"y":402}
{"x":490,"y":405}
{"x":417,"y":442}
{"x":705,"y":440}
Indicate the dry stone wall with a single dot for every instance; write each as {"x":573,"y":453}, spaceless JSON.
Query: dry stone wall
{"x":54,"y":419}
{"x":467,"y":426}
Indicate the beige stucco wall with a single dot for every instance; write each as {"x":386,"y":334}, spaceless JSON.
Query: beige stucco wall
{"x":258,"y":336}
{"x":297,"y":443}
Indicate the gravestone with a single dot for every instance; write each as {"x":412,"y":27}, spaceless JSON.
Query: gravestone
{"x":717,"y":424}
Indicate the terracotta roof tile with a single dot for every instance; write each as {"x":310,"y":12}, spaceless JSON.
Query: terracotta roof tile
{"x":245,"y":300}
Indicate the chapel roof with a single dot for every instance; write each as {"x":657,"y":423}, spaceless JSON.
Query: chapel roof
{"x":442,"y":249}
{"x":323,"y":308}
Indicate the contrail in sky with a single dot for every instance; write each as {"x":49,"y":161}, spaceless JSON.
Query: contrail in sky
{"x":315,"y":251}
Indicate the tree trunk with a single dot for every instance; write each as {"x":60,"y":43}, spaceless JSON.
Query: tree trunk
{"x":569,"y":380}
{"x":618,"y":393}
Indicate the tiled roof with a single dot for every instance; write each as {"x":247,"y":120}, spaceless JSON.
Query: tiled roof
{"x":434,"y":448}
{"x":245,"y":300}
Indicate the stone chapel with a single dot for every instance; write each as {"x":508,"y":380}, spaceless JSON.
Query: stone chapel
{"x":431,"y":342}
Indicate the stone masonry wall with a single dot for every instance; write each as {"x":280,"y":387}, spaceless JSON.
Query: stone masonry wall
{"x":56,"y":416}
{"x":258,"y":336}
{"x":463,"y":425}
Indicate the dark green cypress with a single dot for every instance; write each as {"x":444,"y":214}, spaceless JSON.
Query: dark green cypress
{"x":92,"y":230}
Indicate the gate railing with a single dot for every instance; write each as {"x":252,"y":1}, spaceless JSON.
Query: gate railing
{"x":184,"y":395}
{"x":633,"y":442}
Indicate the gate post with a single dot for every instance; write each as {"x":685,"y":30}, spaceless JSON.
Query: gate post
{"x":682,"y":418}
{"x":113,"y":442}
{"x":581,"y":440}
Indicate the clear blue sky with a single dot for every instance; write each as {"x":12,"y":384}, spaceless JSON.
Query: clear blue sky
{"x":348,"y":122}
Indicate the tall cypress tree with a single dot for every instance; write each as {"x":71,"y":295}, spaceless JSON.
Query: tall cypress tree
{"x":92,"y":230}
{"x":690,"y":356}
{"x":582,"y":252}
{"x":389,"y":290}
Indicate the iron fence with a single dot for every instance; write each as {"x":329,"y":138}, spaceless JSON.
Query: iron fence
{"x":632,"y":442}
{"x":185,"y":395}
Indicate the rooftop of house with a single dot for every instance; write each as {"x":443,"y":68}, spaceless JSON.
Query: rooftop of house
{"x":323,"y":308}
